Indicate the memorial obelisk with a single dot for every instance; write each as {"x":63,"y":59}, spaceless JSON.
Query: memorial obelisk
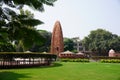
{"x":57,"y":44}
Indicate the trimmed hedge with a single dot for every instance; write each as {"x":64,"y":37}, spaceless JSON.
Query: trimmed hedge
{"x":72,"y":56}
{"x":97,"y":58}
{"x":105,"y":57}
{"x":25,"y":55}
{"x":74,"y":60}
{"x":110,"y":60}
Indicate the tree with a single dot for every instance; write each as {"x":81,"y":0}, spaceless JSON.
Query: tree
{"x":26,"y":35}
{"x":6,"y":13}
{"x":115,"y":43}
{"x":68,"y":44}
{"x":5,"y":45}
{"x":14,"y":23}
{"x":45,"y":47}
{"x":101,"y":41}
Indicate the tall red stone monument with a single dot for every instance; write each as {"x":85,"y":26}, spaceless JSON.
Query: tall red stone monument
{"x":57,"y":44}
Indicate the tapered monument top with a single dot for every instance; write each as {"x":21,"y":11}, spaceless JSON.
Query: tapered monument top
{"x":57,"y":26}
{"x":57,"y":22}
{"x":57,"y":44}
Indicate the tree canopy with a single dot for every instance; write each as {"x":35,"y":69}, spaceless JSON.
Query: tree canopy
{"x":17,"y":25}
{"x":45,"y":47}
{"x":101,"y":41}
{"x":68,"y":44}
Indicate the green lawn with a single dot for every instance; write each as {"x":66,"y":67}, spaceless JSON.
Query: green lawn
{"x":65,"y":71}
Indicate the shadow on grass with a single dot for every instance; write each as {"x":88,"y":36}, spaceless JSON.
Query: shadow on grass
{"x":12,"y":76}
{"x":119,"y":78}
{"x":56,"y":64}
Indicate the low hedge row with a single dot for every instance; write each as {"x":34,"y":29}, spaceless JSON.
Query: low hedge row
{"x":110,"y":60}
{"x":104,"y":57}
{"x":74,"y":60}
{"x":10,"y":55}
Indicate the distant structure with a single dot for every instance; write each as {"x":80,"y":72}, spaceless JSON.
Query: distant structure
{"x":68,"y":54}
{"x":57,"y":45}
{"x":78,"y":44}
{"x":112,"y":53}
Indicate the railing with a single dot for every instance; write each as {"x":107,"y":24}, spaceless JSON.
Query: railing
{"x":18,"y":60}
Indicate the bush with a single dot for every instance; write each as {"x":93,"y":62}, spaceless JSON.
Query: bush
{"x":104,"y":57}
{"x":110,"y":60}
{"x":64,"y":60}
{"x":74,"y":60}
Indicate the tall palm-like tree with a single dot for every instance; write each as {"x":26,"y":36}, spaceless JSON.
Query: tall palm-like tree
{"x":23,"y":32}
{"x":6,"y":12}
{"x":20,"y":26}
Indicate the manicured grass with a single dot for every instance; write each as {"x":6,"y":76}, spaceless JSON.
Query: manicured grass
{"x":65,"y":71}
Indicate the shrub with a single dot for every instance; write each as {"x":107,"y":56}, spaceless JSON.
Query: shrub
{"x":74,"y":60}
{"x":110,"y":60}
{"x":64,"y":60}
{"x":104,"y":57}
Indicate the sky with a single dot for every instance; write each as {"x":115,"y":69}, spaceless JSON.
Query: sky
{"x":79,"y":17}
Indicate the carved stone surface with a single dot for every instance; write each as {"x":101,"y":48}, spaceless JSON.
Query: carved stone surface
{"x":57,"y":45}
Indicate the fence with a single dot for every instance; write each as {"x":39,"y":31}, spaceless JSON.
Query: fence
{"x":17,"y":60}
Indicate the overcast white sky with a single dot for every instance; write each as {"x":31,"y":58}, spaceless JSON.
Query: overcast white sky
{"x":79,"y":17}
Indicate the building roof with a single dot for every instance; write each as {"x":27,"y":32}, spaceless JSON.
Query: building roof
{"x":80,"y":53}
{"x":67,"y":52}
